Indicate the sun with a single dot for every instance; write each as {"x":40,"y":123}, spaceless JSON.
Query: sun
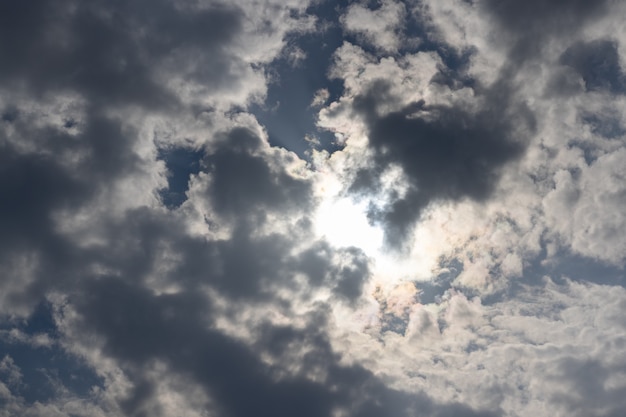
{"x":343,"y":223}
{"x":341,"y":219}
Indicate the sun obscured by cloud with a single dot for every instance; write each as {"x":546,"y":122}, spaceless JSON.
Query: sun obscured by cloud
{"x":444,"y":238}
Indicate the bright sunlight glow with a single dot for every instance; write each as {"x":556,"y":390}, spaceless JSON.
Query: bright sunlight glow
{"x":344,"y":223}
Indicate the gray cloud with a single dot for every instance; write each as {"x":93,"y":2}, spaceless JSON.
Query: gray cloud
{"x":447,"y":153}
{"x":140,"y":327}
{"x":597,"y":62}
{"x":227,"y":300}
{"x":530,"y":24}
{"x":109,"y":52}
{"x":588,"y":393}
{"x":243,"y":183}
{"x":38,"y":186}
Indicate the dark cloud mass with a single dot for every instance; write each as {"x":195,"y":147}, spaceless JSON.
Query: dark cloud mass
{"x":521,"y":16}
{"x":108,"y":51}
{"x":163,"y":245}
{"x":242,"y":182}
{"x":528,"y":26}
{"x":597,"y":62}
{"x":141,"y":327}
{"x":447,"y":153}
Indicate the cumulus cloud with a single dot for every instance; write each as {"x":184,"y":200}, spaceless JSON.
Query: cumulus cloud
{"x":457,"y":250}
{"x":381,"y":27}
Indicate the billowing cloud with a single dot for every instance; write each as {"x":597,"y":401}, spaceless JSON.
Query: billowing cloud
{"x":445,"y":152}
{"x":381,"y":27}
{"x":178,"y":238}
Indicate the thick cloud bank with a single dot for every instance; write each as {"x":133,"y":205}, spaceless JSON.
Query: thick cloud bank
{"x":180,"y":237}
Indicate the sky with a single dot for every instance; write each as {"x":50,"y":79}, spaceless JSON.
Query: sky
{"x":312,"y":208}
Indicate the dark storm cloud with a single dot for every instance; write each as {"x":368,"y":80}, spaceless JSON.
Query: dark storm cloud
{"x":244,"y":186}
{"x":108,"y":51}
{"x":346,"y":279}
{"x":32,"y":186}
{"x":527,"y":25}
{"x":140,"y":327}
{"x":597,"y":63}
{"x":447,"y":153}
{"x":532,"y":15}
{"x":35,"y":186}
{"x":241,"y":267}
{"x":242,"y":182}
{"x":110,"y":54}
{"x":252,"y":268}
{"x":135,"y":281}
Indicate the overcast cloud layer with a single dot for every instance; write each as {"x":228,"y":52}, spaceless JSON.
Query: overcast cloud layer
{"x":312,"y":208}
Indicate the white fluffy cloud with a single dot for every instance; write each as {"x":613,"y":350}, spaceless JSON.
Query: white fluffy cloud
{"x":381,"y":27}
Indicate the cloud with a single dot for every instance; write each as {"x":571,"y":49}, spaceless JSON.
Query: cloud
{"x":445,"y":153}
{"x":180,"y":338}
{"x":103,"y":55}
{"x":511,"y":356}
{"x":590,"y":235}
{"x":530,"y":25}
{"x":597,"y":62}
{"x":240,"y":181}
{"x":381,"y":27}
{"x":162,"y":253}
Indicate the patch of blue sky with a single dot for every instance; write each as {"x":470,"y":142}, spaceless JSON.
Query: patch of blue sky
{"x":44,"y":368}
